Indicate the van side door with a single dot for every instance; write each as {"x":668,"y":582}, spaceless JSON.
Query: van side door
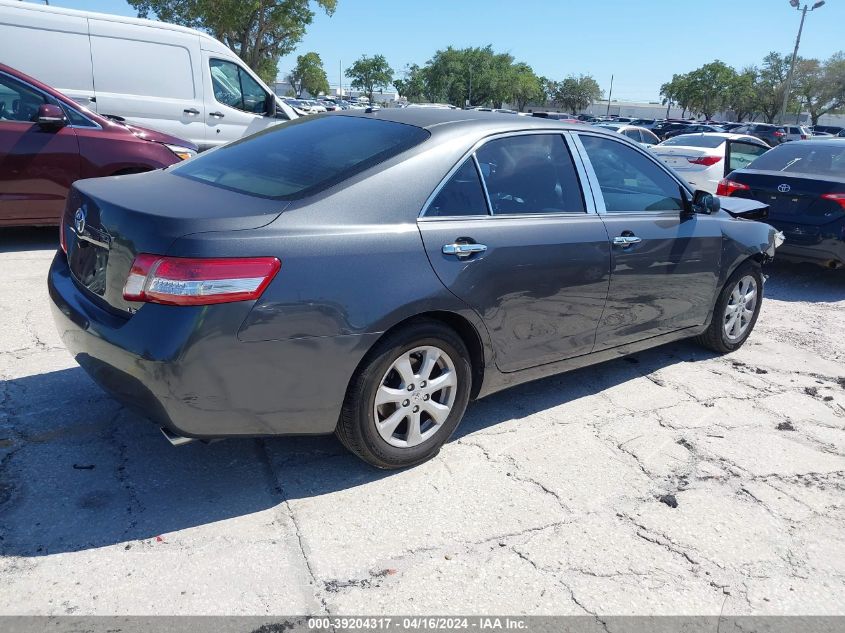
{"x":150,"y":77}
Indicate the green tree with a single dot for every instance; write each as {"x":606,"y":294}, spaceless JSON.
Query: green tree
{"x":477,"y":75}
{"x":258,"y":31}
{"x":771,"y":82}
{"x":577,"y":93}
{"x":309,"y":75}
{"x":369,"y":73}
{"x":413,"y":86}
{"x":526,"y":86}
{"x":708,"y":87}
{"x":741,"y":95}
{"x":820,"y":86}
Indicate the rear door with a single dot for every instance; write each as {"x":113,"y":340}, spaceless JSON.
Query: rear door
{"x":37,"y":166}
{"x":664,"y":266}
{"x":740,"y":153}
{"x":525,"y":249}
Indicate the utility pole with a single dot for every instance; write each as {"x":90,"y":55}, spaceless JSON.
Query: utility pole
{"x":340,"y":78}
{"x":609,"y":95}
{"x":795,"y":4}
{"x":469,"y":99}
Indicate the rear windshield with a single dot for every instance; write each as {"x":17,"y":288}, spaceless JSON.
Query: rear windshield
{"x":303,"y":157}
{"x":695,"y":140}
{"x":805,"y":157}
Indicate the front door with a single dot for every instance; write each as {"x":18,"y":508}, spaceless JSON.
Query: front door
{"x":238,"y":103}
{"x":522,"y":249}
{"x":664,"y":264}
{"x":37,"y":166}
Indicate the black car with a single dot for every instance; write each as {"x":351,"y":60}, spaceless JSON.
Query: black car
{"x":804,"y":185}
{"x":836,"y":130}
{"x":772,"y":134}
{"x":692,"y":129}
{"x":368,"y":273}
{"x":665,"y":127}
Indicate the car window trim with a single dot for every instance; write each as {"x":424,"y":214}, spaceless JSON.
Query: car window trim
{"x":601,"y":208}
{"x":589,"y":204}
{"x":51,"y":99}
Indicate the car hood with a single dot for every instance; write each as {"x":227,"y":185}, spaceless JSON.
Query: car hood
{"x":156,"y":137}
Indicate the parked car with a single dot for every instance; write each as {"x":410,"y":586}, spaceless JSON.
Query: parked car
{"x":730,"y":127}
{"x":161,"y":76}
{"x":804,"y":186}
{"x":665,"y":127}
{"x":48,"y":141}
{"x":797,"y":133}
{"x":637,"y":134}
{"x":704,"y":159}
{"x":772,"y":134}
{"x":298,"y":284}
{"x":833,"y":130}
{"x":692,"y":129}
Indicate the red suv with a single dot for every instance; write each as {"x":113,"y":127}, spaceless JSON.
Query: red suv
{"x":48,"y":141}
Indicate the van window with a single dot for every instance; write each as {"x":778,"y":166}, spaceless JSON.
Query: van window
{"x":301,"y":157}
{"x":234,"y":87}
{"x":149,"y":69}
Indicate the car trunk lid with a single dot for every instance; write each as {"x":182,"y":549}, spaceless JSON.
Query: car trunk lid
{"x":108,"y":221}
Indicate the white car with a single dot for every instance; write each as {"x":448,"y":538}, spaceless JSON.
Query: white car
{"x":640,"y":135}
{"x":704,"y":159}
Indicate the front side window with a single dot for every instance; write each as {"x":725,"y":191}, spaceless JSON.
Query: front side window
{"x":462,"y":195}
{"x":17,"y":101}
{"x":236,"y":88}
{"x":530,"y":174}
{"x":629,"y":181}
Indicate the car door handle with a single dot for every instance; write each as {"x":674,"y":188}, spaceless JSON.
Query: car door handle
{"x":216,"y":115}
{"x":191,"y":111}
{"x":463,"y":250}
{"x":626,"y":240}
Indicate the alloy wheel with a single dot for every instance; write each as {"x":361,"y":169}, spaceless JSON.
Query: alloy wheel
{"x":415,"y":396}
{"x":739,"y":310}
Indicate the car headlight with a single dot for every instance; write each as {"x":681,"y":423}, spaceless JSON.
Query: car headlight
{"x":182,"y":152}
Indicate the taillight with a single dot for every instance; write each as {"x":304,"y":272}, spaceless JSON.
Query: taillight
{"x":198,"y":281}
{"x":705,"y":160}
{"x":838,"y":198}
{"x":62,"y":237}
{"x":804,"y":137}
{"x":728,"y":187}
{"x":778,"y":133}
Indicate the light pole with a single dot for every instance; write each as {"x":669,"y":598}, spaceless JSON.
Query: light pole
{"x":796,"y":5}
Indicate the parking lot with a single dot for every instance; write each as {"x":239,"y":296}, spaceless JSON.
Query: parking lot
{"x":672,"y":482}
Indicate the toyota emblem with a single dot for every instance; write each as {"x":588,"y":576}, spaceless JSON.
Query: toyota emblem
{"x":784,"y":188}
{"x":79,"y":220}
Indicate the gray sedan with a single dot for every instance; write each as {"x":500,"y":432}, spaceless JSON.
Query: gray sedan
{"x":369,"y":273}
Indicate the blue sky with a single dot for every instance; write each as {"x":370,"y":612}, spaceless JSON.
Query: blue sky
{"x":641,"y":43}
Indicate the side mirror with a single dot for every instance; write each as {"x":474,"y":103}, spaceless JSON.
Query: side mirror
{"x":705,"y":202}
{"x":50,"y":117}
{"x":270,"y":105}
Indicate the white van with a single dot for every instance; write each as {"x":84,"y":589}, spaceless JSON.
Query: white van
{"x":157,"y":75}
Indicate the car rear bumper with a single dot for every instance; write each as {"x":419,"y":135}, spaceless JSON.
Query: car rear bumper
{"x":823,"y":245}
{"x":184,"y":368}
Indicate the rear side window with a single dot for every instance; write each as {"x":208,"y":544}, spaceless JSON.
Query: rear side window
{"x":302,"y":157}
{"x":804,"y":158}
{"x":462,"y":195}
{"x":530,"y":174}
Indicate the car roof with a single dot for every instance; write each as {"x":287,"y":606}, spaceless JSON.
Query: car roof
{"x":833,"y":141}
{"x":439,"y":120}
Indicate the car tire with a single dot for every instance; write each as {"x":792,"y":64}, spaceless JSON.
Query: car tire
{"x":733,"y":320}
{"x":434,"y":353}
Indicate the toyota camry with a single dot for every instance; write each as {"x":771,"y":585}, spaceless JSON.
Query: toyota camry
{"x":369,"y":273}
